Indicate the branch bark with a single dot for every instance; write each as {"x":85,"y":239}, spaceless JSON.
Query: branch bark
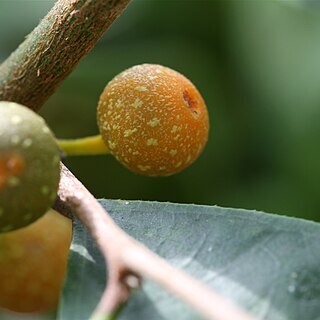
{"x":51,"y":51}
{"x":128,"y":260}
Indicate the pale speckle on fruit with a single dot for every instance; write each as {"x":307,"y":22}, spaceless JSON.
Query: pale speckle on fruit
{"x":115,"y":127}
{"x":129,"y":132}
{"x":13,"y":181}
{"x":45,"y":130}
{"x":119,"y":103}
{"x":16,"y":119}
{"x":153,"y":122}
{"x":143,"y":168}
{"x":26,"y":143}
{"x":112,"y":145}
{"x":175,"y":129}
{"x":141,"y":88}
{"x":173,"y":152}
{"x":176,"y":137}
{"x":45,"y":190}
{"x":137,"y":103}
{"x":15,"y":139}
{"x":152,"y":142}
{"x":177,"y":165}
{"x":105,"y":125}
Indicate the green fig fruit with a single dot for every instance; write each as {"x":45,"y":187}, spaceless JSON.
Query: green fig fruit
{"x":29,"y":166}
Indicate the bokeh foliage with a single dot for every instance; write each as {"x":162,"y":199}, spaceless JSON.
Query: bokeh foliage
{"x":257,"y":65}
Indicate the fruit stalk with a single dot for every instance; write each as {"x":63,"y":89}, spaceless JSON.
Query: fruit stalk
{"x":53,"y":49}
{"x":93,"y":145}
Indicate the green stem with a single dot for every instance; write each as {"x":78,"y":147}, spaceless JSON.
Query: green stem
{"x":52,"y":50}
{"x":84,"y":146}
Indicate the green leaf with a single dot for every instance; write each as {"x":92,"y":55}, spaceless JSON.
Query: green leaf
{"x":268,"y":264}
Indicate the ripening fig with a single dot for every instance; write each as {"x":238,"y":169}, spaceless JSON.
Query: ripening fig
{"x":153,"y":120}
{"x":29,"y":166}
{"x":33,"y":262}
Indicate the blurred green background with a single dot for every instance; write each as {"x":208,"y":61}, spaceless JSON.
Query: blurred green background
{"x":256,"y":63}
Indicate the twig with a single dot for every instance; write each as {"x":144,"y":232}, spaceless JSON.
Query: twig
{"x":52,"y":50}
{"x":128,"y":260}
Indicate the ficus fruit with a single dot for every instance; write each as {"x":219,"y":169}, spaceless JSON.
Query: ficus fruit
{"x":29,"y":166}
{"x":153,"y":120}
{"x":33,"y":263}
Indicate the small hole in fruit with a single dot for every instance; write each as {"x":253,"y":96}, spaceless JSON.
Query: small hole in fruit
{"x":190,"y":102}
